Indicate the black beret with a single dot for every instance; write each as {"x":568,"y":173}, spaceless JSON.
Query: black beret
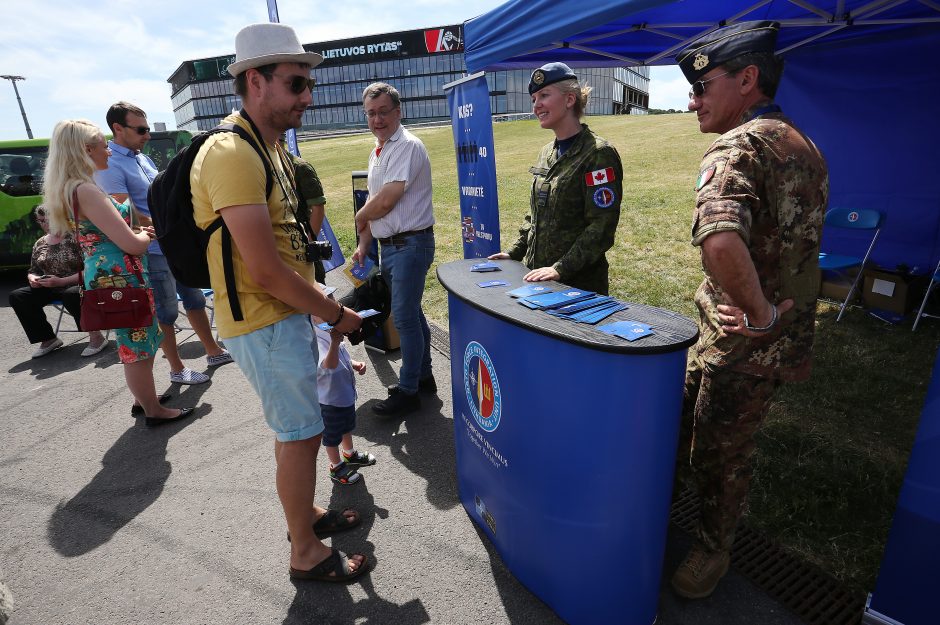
{"x":724,"y":44}
{"x":548,"y":74}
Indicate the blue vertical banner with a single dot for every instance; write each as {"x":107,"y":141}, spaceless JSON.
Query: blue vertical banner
{"x":469,"y":101}
{"x":906,"y":590}
{"x":326,"y":232}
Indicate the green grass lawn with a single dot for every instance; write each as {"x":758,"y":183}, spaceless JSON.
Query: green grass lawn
{"x":833,"y":450}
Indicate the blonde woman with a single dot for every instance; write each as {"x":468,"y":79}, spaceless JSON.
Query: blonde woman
{"x":576,"y":190}
{"x":112,"y":250}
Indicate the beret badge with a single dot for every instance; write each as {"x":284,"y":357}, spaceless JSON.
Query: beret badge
{"x":538,"y":77}
{"x":700,"y":62}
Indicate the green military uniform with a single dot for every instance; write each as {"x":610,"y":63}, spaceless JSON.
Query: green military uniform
{"x":768,"y":182}
{"x":575,"y":208}
{"x":309,"y":193}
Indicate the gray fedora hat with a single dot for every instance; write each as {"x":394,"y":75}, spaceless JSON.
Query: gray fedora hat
{"x":263,"y":44}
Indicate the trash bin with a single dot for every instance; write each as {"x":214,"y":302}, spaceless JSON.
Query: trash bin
{"x":565,"y":439}
{"x":386,"y":339}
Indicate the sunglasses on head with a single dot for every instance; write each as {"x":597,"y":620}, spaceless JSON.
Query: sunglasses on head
{"x":698,"y":87}
{"x":141,"y":130}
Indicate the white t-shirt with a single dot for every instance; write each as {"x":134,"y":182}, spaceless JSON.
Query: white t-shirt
{"x":403,"y":159}
{"x":336,"y":387}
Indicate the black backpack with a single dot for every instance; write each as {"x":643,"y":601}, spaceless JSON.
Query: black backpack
{"x":184,"y":243}
{"x":374,"y":293}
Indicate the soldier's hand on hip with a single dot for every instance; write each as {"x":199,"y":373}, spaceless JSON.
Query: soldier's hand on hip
{"x":734,"y":321}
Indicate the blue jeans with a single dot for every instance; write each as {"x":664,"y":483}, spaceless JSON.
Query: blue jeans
{"x":165,"y":288}
{"x":405,"y":267}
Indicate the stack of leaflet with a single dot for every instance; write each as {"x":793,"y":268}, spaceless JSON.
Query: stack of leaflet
{"x":572,"y":304}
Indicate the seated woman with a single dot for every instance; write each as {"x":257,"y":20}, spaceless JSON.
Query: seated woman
{"x":53,"y":275}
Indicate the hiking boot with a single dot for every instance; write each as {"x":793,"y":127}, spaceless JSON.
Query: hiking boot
{"x":344,"y":474}
{"x":697,"y":577}
{"x":399,"y":403}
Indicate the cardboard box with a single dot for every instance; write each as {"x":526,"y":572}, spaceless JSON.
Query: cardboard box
{"x":889,"y":291}
{"x":835,"y":287}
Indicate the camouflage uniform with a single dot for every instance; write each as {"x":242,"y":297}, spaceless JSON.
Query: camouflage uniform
{"x":768,"y":182}
{"x":309,"y":192}
{"x":572,"y":221}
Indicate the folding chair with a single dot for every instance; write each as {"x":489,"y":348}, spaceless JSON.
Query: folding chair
{"x":863,"y":219}
{"x":934,"y":279}
{"x":58,"y":305}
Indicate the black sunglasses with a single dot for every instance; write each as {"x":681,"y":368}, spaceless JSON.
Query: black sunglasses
{"x":141,"y":130}
{"x":698,"y":87}
{"x":298,"y":84}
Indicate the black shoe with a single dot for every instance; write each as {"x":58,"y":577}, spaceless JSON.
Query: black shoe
{"x":137,"y":410}
{"x":427,"y":384}
{"x":154,"y":421}
{"x":398,"y":403}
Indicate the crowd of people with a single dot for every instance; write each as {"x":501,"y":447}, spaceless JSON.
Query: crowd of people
{"x":760,"y":196}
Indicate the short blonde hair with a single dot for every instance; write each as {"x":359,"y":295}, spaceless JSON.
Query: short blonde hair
{"x":580,"y":91}
{"x":67,"y":167}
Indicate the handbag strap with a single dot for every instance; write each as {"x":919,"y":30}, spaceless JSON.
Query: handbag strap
{"x":136,"y":266}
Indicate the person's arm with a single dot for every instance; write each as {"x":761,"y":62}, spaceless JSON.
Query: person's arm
{"x":97,"y":208}
{"x":250,"y":226}
{"x":380,"y":204}
{"x":728,"y":260}
{"x":317,"y":213}
{"x":331,"y":359}
{"x":362,"y":249}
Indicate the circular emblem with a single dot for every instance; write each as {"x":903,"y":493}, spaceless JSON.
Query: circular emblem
{"x":538,"y":77}
{"x":481,"y":386}
{"x":700,"y":62}
{"x":853,"y":217}
{"x":116,"y":295}
{"x":604,"y":197}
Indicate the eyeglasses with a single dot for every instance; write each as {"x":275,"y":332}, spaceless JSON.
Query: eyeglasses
{"x":698,"y":87}
{"x":298,"y":84}
{"x":382,"y":113}
{"x":141,"y":130}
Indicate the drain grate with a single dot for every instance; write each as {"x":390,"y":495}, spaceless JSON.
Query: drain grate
{"x":808,"y":591}
{"x":811,"y":593}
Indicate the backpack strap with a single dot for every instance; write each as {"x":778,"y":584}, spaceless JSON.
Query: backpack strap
{"x":228,"y":268}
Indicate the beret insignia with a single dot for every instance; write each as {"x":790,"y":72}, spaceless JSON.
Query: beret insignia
{"x":538,"y":77}
{"x":701,"y":61}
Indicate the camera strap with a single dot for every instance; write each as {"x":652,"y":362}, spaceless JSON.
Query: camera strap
{"x":288,"y":169}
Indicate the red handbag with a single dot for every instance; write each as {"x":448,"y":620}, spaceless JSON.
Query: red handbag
{"x":109,"y":308}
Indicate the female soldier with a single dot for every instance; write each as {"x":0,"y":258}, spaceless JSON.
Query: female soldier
{"x":575,"y":203}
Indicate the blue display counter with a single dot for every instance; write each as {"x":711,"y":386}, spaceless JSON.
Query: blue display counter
{"x":565,"y":440}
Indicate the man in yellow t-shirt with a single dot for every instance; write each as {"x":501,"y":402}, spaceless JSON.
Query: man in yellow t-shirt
{"x":274,"y":343}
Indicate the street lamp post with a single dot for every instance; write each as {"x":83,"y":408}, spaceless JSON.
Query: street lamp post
{"x":13,"y":79}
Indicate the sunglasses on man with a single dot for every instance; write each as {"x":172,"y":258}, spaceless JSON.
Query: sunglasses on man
{"x":141,"y":130}
{"x":299,"y":84}
{"x":698,"y":87}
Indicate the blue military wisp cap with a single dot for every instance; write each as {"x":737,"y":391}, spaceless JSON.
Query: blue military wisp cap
{"x":548,"y":74}
{"x":724,"y":44}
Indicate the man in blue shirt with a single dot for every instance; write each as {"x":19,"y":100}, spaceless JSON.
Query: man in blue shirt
{"x":129,"y":174}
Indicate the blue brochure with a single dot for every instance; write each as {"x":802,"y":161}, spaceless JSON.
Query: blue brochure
{"x":487,"y":266}
{"x":528,"y":304}
{"x":531,"y":289}
{"x":597,"y":300}
{"x":356,"y":274}
{"x":630,"y":330}
{"x":558,"y":298}
{"x":600,"y":313}
{"x":486,"y":285}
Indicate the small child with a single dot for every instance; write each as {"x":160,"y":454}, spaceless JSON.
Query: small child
{"x":336,"y":386}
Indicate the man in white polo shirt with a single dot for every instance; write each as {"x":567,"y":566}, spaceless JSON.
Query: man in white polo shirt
{"x":400,"y":215}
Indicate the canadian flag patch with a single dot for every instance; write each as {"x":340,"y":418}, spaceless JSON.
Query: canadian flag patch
{"x":600,"y":176}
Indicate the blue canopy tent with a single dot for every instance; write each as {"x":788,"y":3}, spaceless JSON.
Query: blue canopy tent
{"x":862,"y":77}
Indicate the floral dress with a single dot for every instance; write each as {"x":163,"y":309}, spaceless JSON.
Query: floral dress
{"x":107,"y":265}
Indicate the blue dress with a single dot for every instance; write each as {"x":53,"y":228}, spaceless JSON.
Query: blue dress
{"x":107,"y":265}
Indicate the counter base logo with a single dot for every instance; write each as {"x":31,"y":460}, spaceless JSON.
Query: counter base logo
{"x":482,"y":387}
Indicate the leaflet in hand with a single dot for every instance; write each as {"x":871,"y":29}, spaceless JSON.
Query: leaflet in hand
{"x":356,"y":274}
{"x":365,"y":314}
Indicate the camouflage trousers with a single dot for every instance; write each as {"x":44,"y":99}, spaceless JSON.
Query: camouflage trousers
{"x":721,"y":412}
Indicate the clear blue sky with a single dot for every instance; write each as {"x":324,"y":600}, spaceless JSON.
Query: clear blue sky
{"x":80,"y":57}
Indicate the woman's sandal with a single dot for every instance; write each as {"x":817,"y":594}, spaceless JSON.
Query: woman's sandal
{"x":334,"y":569}
{"x":333,"y":522}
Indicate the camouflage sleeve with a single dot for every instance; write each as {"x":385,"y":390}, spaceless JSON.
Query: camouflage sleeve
{"x":601,"y":184}
{"x":726,"y":193}
{"x":518,"y":249}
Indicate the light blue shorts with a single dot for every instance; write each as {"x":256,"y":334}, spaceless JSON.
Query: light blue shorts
{"x":280,"y":362}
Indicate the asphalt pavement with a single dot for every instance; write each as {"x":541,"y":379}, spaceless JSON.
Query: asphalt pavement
{"x":106,"y":521}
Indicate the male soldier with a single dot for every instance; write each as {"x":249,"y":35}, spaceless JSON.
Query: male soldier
{"x":762,"y":191}
{"x":274,"y":344}
{"x":400,"y":215}
{"x":130,"y":173}
{"x":311,"y":205}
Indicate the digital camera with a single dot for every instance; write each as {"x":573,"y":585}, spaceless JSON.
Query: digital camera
{"x":318,"y":250}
